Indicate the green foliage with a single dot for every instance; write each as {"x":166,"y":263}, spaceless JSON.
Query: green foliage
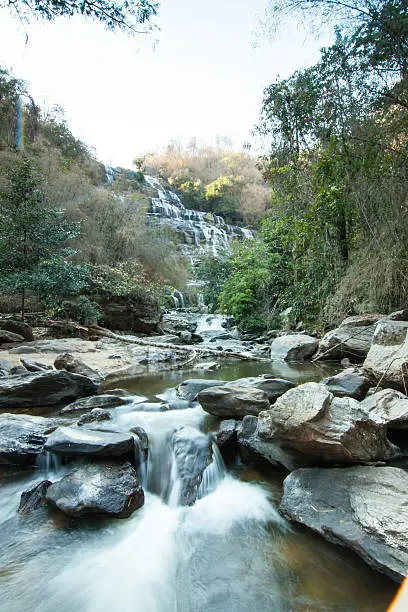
{"x":213,"y":271}
{"x":82,"y":310}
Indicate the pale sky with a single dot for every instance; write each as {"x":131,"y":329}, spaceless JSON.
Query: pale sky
{"x":125,"y":96}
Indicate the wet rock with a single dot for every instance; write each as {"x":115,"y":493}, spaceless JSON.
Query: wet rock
{"x":34,"y":498}
{"x":151,"y":407}
{"x":192,"y":453}
{"x":95,"y":416}
{"x":76,"y":442}
{"x":35,"y":366}
{"x":118,"y":392}
{"x":175,"y":322}
{"x":362,"y":508}
{"x":227,"y":433}
{"x":351,"y":339}
{"x":189,"y":389}
{"x":348,"y":383}
{"x":18,"y":369}
{"x":387,"y":360}
{"x":329,"y":429}
{"x":389,"y":407}
{"x":294,"y":347}
{"x":17,"y":327}
{"x":8,"y":336}
{"x":233,"y":401}
{"x":109,"y":489}
{"x":43,"y":389}
{"x":141,"y":442}
{"x":185,"y":337}
{"x":22,"y":438}
{"x":96,"y":401}
{"x":273,"y":387}
{"x":68,"y":362}
{"x":23,"y":350}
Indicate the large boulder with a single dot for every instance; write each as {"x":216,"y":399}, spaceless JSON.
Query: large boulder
{"x":34,"y":498}
{"x":362,"y":508}
{"x":192,"y":454}
{"x":130,"y":313}
{"x":43,"y":389}
{"x":189,"y":389}
{"x":294,"y":347}
{"x":389,"y":407}
{"x":233,"y":401}
{"x":22,"y":438}
{"x":80,"y":442}
{"x":348,"y":383}
{"x":351,"y":339}
{"x":96,"y":401}
{"x":109,"y":489}
{"x":68,"y":362}
{"x":18,"y":327}
{"x":309,"y":419}
{"x":8,"y":336}
{"x":387,"y":360}
{"x":273,"y":387}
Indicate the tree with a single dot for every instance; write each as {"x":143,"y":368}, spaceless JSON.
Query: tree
{"x":33,"y":241}
{"x":128,"y":15}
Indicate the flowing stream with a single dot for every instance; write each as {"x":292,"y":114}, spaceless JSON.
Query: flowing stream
{"x":229,"y":552}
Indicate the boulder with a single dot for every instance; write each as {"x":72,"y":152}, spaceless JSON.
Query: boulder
{"x":351,"y":339}
{"x":389,"y":407}
{"x":141,"y":444}
{"x":192,"y":454}
{"x":227,"y":433}
{"x":18,"y":327}
{"x":131,"y":314}
{"x":109,"y":489}
{"x":273,"y":387}
{"x":95,"y":416}
{"x":35,"y":366}
{"x":309,"y":419}
{"x":25,"y":349}
{"x":233,"y":401}
{"x":22,"y":438}
{"x":348,"y":383}
{"x":96,"y":401}
{"x":387,"y":360}
{"x":34,"y":498}
{"x":363,"y":508}
{"x":80,"y":442}
{"x":68,"y":362}
{"x":189,"y":389}
{"x":294,"y":347}
{"x":43,"y":389}
{"x":8,"y":336}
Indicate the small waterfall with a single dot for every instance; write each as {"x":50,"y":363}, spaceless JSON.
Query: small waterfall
{"x":213,"y":474}
{"x":48,"y":463}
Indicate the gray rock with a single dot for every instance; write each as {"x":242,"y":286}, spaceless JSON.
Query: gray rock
{"x":185,"y":337}
{"x":227,"y":433}
{"x":18,"y":369}
{"x":43,"y":389}
{"x":294,"y":347}
{"x":233,"y":401}
{"x":96,"y":401}
{"x":75,"y":442}
{"x":34,"y":498}
{"x":68,"y":362}
{"x":310,"y":420}
{"x":22,"y":438}
{"x":96,"y":415}
{"x":389,"y":407}
{"x":8,"y":336}
{"x":151,"y":407}
{"x":24,"y":350}
{"x":351,"y":339}
{"x":387,"y":360}
{"x":35,"y":366}
{"x":18,"y":327}
{"x":362,"y":508}
{"x":192,"y":453}
{"x":141,"y":443}
{"x":273,"y":387}
{"x":109,"y":489}
{"x":348,"y":383}
{"x":189,"y":389}
{"x":5,"y":365}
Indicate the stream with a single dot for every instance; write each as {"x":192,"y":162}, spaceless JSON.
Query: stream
{"x":229,"y":552}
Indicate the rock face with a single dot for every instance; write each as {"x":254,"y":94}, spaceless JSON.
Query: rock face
{"x":22,"y":438}
{"x":189,"y":389}
{"x":348,"y":383}
{"x":110,"y":489}
{"x":363,"y":508}
{"x":43,"y":389}
{"x":233,"y":401}
{"x":96,"y":401}
{"x":192,"y":454}
{"x":352,"y":339}
{"x":389,"y":407}
{"x":294,"y":347}
{"x":138,"y":314}
{"x":72,"y":441}
{"x":312,"y":421}
{"x":68,"y":362}
{"x":34,"y":498}
{"x":387,"y":359}
{"x":18,"y":327}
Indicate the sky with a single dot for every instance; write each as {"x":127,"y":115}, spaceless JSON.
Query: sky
{"x":199,"y":76}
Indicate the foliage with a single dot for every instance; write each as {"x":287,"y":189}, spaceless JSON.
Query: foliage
{"x":82,"y":309}
{"x":213,"y":271}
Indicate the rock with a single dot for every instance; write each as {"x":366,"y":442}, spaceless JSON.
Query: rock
{"x":192,"y":453}
{"x":75,"y":442}
{"x":387,"y":360}
{"x":399,"y":315}
{"x":141,"y":443}
{"x":109,"y":489}
{"x":389,"y":407}
{"x":18,"y":369}
{"x":68,"y":362}
{"x":5,"y":365}
{"x":273,"y":387}
{"x":118,"y":392}
{"x":18,"y":327}
{"x":309,"y":419}
{"x":207,"y":366}
{"x":131,"y":314}
{"x":34,"y":498}
{"x":227,"y":433}
{"x":151,"y":407}
{"x":348,"y":383}
{"x":174,"y":322}
{"x":24,"y":350}
{"x":189,"y":389}
{"x":96,"y":401}
{"x":35,"y":366}
{"x":362,"y":508}
{"x":352,"y":339}
{"x":43,"y":389}
{"x":8,"y":336}
{"x":233,"y":401}
{"x":22,"y":438}
{"x":96,"y":415}
{"x":185,"y":337}
{"x":294,"y":347}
